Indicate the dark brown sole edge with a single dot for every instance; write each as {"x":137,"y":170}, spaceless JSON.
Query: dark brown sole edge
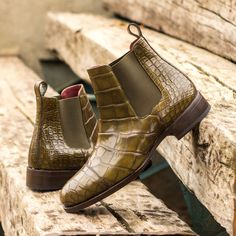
{"x":192,"y":116}
{"x":47,"y":180}
{"x":194,"y":113}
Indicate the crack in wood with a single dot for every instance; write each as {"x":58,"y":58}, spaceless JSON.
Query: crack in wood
{"x":25,"y":115}
{"x":211,"y":75}
{"x":215,"y":13}
{"x":119,"y":218}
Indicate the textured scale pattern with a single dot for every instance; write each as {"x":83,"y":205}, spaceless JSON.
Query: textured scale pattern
{"x":89,"y":118}
{"x":124,"y":139}
{"x":48,"y":149}
{"x":177,"y":90}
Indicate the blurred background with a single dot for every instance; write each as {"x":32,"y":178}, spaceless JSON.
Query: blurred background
{"x":22,"y":26}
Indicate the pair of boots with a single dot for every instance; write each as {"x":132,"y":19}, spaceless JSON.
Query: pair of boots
{"x":141,"y":99}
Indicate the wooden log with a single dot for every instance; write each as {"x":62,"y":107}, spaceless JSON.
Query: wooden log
{"x":205,"y":159}
{"x":207,"y":24}
{"x":28,"y":213}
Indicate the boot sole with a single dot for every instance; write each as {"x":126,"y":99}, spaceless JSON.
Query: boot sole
{"x":47,"y":180}
{"x":193,"y":115}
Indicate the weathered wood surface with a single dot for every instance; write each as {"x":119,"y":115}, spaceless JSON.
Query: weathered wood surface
{"x":204,"y":160}
{"x":208,"y":24}
{"x":132,"y":210}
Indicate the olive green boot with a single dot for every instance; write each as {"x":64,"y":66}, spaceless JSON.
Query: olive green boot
{"x":141,"y":99}
{"x":64,"y":136}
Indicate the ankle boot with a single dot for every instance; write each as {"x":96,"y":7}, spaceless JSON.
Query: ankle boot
{"x":141,"y":99}
{"x":64,"y":136}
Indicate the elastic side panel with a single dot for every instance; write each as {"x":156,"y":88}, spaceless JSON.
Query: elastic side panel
{"x":72,"y":123}
{"x":140,"y":90}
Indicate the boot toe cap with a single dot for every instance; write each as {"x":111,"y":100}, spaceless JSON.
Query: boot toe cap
{"x":71,"y":194}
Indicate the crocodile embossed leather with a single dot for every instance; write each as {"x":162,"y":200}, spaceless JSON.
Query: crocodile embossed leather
{"x":64,"y":136}
{"x":126,"y":140}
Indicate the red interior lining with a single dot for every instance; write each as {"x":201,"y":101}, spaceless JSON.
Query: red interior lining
{"x":72,"y":91}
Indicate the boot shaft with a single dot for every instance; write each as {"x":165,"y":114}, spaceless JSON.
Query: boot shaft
{"x":140,"y":84}
{"x":112,"y":102}
{"x":64,"y":125}
{"x":141,"y":100}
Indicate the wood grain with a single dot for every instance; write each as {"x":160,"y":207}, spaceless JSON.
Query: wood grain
{"x":23,"y":212}
{"x":208,"y":24}
{"x":204,"y":159}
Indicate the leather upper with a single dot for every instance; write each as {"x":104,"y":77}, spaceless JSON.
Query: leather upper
{"x":125,"y":139}
{"x":48,"y":149}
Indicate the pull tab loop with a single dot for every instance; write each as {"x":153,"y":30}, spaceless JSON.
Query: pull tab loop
{"x":138,"y":29}
{"x":40,"y":88}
